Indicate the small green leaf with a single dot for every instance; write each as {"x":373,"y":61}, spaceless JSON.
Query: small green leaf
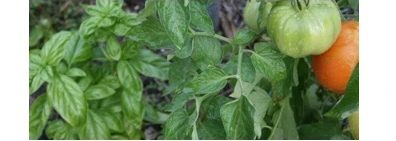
{"x":89,"y":26}
{"x":151,"y":64}
{"x":244,"y":36}
{"x":211,"y":80}
{"x":112,"y":50}
{"x":94,"y":128}
{"x":178,"y":126}
{"x":322,"y":130}
{"x":128,"y":77}
{"x":53,"y":50}
{"x":173,"y":18}
{"x":354,"y":4}
{"x":59,"y":130}
{"x":200,"y":19}
{"x":35,"y":84}
{"x":110,"y":81}
{"x":35,"y":35}
{"x":152,"y":33}
{"x":99,"y":91}
{"x":186,"y":50}
{"x":260,"y":101}
{"x":207,"y":51}
{"x":77,"y":50}
{"x":238,"y":121}
{"x":76,"y":72}
{"x":68,"y":100}
{"x":268,"y":62}
{"x":132,"y":107}
{"x":349,"y":103}
{"x":39,"y":113}
{"x":284,"y":123}
{"x":112,"y":120}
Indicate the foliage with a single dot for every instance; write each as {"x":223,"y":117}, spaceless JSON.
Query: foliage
{"x":90,"y":82}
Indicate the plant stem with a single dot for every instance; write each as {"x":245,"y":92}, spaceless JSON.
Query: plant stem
{"x":217,"y":36}
{"x":240,"y":54}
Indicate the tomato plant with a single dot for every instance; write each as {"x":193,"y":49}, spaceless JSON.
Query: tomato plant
{"x":97,"y":81}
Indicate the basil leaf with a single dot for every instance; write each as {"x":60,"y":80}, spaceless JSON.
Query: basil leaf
{"x":53,"y":50}
{"x":94,"y":128}
{"x":68,"y":99}
{"x":99,"y":91}
{"x":39,"y":113}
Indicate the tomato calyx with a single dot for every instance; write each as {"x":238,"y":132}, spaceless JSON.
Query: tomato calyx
{"x":300,"y":4}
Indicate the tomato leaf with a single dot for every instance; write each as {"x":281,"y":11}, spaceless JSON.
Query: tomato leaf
{"x":260,"y":101}
{"x":244,"y":36}
{"x":207,"y":51}
{"x":39,"y":113}
{"x":284,"y":123}
{"x":53,"y":50}
{"x":68,"y":99}
{"x":211,"y":80}
{"x":151,"y":64}
{"x":238,"y":119}
{"x":350,"y":101}
{"x":200,"y":19}
{"x":178,"y":126}
{"x":174,"y":19}
{"x":268,"y":62}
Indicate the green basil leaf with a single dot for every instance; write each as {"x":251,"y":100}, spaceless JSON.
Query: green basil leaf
{"x":77,"y":50}
{"x":238,"y":119}
{"x":128,"y":77}
{"x":35,"y":84}
{"x":39,"y":112}
{"x":68,"y":99}
{"x":110,"y":81}
{"x":89,"y":26}
{"x":94,"y":128}
{"x":174,"y":19}
{"x":53,"y":50}
{"x":112,"y":103}
{"x":76,"y":72}
{"x":207,"y":51}
{"x":151,"y":64}
{"x":112,"y":120}
{"x":178,"y":126}
{"x":99,"y":91}
{"x":59,"y":130}
{"x":322,"y":130}
{"x":211,"y":80}
{"x":113,"y":49}
{"x":35,"y":35}
{"x":35,"y":65}
{"x":349,"y":103}
{"x":268,"y":62}
{"x":132,"y":107}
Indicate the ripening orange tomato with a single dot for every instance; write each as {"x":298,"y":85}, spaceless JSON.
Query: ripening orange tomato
{"x":334,"y":67}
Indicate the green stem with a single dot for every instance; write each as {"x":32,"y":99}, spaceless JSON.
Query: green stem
{"x":217,"y":36}
{"x":240,"y":55}
{"x":276,"y":123}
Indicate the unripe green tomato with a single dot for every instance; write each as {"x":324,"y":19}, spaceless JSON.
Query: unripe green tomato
{"x":354,"y":124}
{"x":255,"y":14}
{"x":304,"y":27}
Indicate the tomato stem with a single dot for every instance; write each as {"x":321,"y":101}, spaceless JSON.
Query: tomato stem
{"x":217,"y":36}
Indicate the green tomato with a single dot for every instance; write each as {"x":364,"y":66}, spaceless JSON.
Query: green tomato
{"x":354,"y":124}
{"x":304,"y":27}
{"x":255,"y":14}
